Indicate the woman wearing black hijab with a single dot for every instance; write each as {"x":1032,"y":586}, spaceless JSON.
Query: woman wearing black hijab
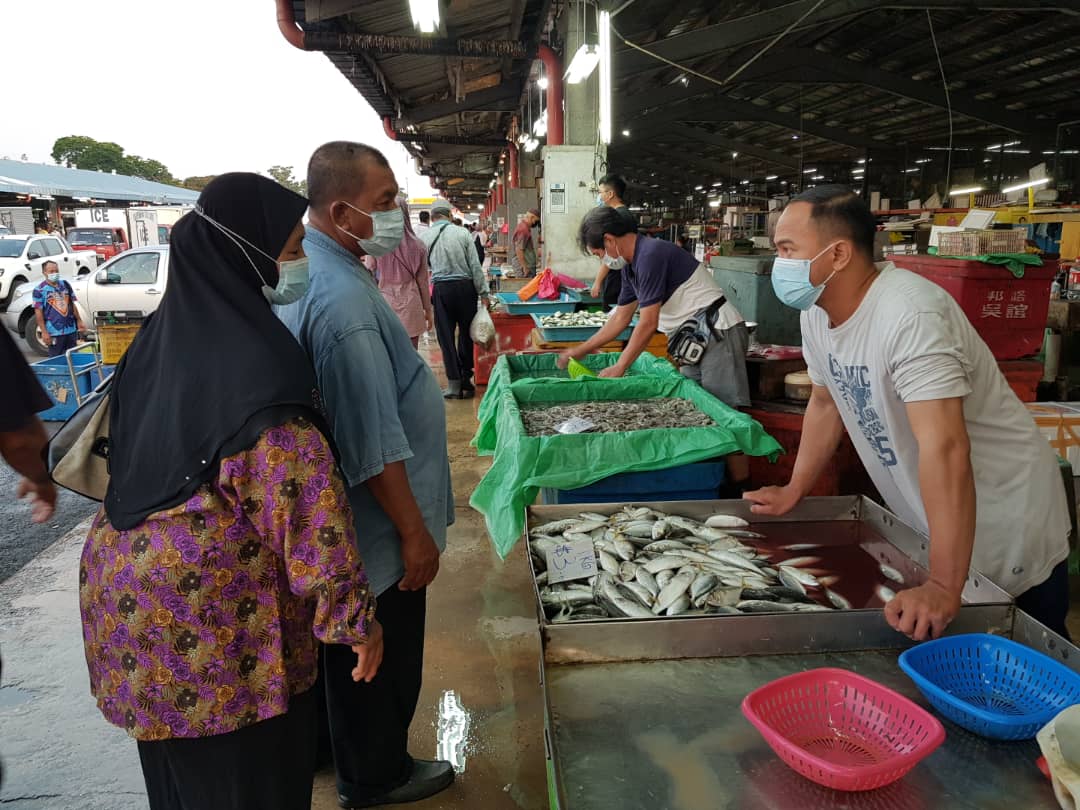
{"x":225,"y":537}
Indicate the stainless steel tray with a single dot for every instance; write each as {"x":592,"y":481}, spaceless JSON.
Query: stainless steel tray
{"x":875,"y":530}
{"x":668,"y":732}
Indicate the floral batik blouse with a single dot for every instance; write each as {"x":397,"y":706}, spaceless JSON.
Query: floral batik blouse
{"x":200,"y":620}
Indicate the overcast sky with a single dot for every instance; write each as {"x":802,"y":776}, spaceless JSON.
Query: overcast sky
{"x":204,"y":86}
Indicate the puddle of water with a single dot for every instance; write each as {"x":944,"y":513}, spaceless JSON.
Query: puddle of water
{"x":452,"y":731}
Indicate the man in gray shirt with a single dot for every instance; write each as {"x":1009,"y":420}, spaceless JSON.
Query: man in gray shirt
{"x":458,"y":279}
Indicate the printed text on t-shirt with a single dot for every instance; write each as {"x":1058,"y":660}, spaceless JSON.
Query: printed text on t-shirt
{"x":853,"y":383}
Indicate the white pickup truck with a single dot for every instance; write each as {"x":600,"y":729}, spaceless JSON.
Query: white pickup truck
{"x":21,"y":258}
{"x":127,"y":287}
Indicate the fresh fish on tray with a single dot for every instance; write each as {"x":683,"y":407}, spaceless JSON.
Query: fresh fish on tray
{"x":654,"y":565}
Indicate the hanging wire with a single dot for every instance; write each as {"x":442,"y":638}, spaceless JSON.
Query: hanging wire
{"x":722,"y":82}
{"x":948,"y":102}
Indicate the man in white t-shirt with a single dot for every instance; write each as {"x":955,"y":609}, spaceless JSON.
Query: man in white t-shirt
{"x":951,"y":449}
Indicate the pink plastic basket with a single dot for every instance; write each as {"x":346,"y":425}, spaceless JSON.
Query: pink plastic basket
{"x":842,"y":730}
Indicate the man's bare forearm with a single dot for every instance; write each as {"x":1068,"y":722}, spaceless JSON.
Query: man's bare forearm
{"x":822,"y":430}
{"x":391,"y":489}
{"x":948,"y":493}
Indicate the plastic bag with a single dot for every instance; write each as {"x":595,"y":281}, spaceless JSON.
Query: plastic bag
{"x":482,"y":328}
{"x":549,"y":286}
{"x":529,"y":290}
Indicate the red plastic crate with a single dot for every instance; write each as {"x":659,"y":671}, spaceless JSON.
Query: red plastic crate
{"x":845,"y":475}
{"x":1023,"y":376}
{"x":1008,"y":313}
{"x":512,"y":334}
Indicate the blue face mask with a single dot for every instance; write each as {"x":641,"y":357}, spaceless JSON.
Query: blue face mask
{"x":387,"y":229}
{"x":791,"y":281}
{"x":293,"y":276}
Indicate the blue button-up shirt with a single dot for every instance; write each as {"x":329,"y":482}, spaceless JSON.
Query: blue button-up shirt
{"x":383,"y":402}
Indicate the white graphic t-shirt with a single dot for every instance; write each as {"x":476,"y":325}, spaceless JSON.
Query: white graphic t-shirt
{"x":909,"y":341}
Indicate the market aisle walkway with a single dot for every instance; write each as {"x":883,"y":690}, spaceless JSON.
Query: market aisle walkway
{"x":481,"y":690}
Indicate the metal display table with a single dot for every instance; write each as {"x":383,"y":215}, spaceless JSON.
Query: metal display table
{"x":646,"y":713}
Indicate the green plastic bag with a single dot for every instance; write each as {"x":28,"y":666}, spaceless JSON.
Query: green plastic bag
{"x":524,"y":464}
{"x":516,"y":370}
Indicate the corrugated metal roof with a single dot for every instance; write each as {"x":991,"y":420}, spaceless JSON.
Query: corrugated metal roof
{"x":17,"y":177}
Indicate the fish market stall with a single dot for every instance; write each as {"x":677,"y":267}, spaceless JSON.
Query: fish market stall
{"x":645,"y":712}
{"x":524,"y":464}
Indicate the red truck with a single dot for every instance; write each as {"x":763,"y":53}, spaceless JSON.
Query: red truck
{"x":106,"y":242}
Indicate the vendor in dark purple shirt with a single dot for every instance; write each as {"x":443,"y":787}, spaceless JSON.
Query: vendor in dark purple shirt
{"x":668,"y":287}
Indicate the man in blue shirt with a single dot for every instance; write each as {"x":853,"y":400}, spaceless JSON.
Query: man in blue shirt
{"x":54,"y":307}
{"x":668,"y":287}
{"x":385,"y":410}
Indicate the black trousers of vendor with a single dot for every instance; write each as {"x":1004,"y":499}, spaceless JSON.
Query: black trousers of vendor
{"x":369,"y":722}
{"x":455,"y":307}
{"x":611,"y":288}
{"x":1048,"y":602}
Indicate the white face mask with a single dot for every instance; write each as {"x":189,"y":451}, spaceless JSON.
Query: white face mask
{"x":616,"y":262}
{"x":791,"y":280}
{"x":52,"y":278}
{"x":293,"y":278}
{"x":387,"y":229}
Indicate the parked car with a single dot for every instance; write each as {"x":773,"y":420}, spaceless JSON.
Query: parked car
{"x":21,"y":258}
{"x":126,"y":288}
{"x":104,"y":242}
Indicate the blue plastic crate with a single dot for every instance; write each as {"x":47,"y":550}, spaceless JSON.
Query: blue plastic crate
{"x":991,"y":685}
{"x":690,"y":482}
{"x":515,"y":306}
{"x":55,"y":377}
{"x":575,"y":334}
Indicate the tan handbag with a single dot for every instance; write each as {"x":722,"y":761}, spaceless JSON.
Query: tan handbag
{"x":78,"y":455}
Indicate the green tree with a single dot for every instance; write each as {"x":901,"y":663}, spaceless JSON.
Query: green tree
{"x":105,"y":156}
{"x":86,"y":153}
{"x":148,"y":169}
{"x":198,"y":182}
{"x":284,"y":175}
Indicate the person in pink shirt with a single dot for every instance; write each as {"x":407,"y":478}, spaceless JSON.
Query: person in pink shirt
{"x":405,"y":280}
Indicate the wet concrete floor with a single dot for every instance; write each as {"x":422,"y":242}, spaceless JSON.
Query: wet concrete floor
{"x":481,"y":695}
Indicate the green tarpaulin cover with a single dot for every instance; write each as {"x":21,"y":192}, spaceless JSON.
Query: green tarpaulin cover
{"x":1013,"y":262}
{"x":525,"y":464}
{"x":513,"y":370}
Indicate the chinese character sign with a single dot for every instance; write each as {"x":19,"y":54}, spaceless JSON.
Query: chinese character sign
{"x":573,"y":559}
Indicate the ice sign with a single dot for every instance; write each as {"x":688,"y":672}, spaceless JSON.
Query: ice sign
{"x":571,"y":559}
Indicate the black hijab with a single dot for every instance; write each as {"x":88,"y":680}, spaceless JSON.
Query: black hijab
{"x":213,"y":367}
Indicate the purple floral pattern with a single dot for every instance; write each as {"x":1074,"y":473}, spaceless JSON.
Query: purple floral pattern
{"x":199,"y":621}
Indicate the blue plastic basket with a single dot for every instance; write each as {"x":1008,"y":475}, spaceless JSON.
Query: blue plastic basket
{"x":991,"y":685}
{"x":515,"y":306}
{"x":575,"y":334}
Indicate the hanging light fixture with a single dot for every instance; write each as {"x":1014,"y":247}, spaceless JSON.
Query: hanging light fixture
{"x":425,"y":15}
{"x":585,"y":59}
{"x":583,"y":64}
{"x":605,"y":76}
